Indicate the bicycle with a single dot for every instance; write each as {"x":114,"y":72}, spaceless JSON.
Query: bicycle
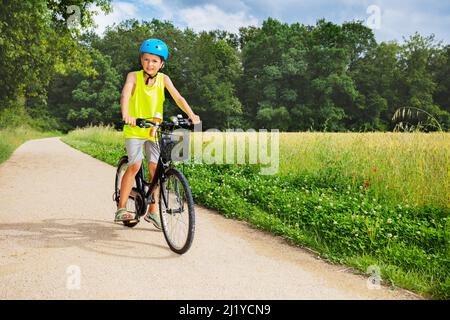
{"x":176,"y":204}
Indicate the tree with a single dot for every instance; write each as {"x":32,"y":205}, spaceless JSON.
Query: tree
{"x":441,"y":72}
{"x":301,"y":74}
{"x":377,"y":77}
{"x":37,"y":45}
{"x":418,"y":56}
{"x":92,"y":99}
{"x":211,"y":68}
{"x":273,"y":72}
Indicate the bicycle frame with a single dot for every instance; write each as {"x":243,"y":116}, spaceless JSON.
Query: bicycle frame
{"x":157,"y":177}
{"x":176,"y":209}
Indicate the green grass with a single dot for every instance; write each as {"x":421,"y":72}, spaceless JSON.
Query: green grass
{"x":17,"y":126}
{"x":11,"y":138}
{"x":328,"y":197}
{"x":406,"y":168}
{"x":399,"y":167}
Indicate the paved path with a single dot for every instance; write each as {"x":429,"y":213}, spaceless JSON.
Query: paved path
{"x":58,"y":241}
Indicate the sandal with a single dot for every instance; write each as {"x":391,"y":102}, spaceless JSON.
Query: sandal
{"x":153,"y":217}
{"x":121,"y":216}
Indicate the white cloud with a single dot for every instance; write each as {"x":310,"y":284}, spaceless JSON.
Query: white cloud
{"x":210,"y":17}
{"x":151,"y":2}
{"x":398,"y":18}
{"x":121,"y":11}
{"x":397,"y":23}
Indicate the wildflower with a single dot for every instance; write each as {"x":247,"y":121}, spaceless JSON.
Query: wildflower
{"x":389,"y":235}
{"x":356,"y":234}
{"x":389,"y":221}
{"x":334,"y":222}
{"x":374,"y":170}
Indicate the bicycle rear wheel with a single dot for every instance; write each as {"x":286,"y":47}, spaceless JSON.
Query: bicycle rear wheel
{"x":135,"y":201}
{"x":176,"y":207}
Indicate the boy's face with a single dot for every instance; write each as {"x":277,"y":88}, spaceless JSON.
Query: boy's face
{"x":151,"y":63}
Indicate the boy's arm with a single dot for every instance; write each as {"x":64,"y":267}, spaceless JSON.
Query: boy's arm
{"x":127,"y":91}
{"x":180,"y":101}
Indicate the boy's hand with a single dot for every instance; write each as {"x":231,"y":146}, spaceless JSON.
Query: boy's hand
{"x":129,"y":120}
{"x":195,"y":119}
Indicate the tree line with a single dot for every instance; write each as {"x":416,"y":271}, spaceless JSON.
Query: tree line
{"x":292,"y":77}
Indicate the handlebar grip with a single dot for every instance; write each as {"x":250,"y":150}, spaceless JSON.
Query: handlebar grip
{"x":139,"y":123}
{"x":186,"y":123}
{"x":183,"y":123}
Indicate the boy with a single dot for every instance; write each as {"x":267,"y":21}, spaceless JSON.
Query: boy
{"x":143,"y":97}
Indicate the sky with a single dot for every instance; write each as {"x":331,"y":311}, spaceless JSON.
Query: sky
{"x":389,"y":19}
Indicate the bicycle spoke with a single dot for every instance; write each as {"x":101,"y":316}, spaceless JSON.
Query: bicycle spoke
{"x":175,"y":217}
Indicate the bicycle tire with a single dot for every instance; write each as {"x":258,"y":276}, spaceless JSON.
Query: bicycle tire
{"x":138,"y":201}
{"x":168,"y":218}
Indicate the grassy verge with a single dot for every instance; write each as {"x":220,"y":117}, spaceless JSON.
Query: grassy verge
{"x":327,"y":204}
{"x":409,"y":245}
{"x":11,"y":138}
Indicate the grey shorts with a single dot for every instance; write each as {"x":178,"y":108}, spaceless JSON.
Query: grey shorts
{"x":134,"y":150}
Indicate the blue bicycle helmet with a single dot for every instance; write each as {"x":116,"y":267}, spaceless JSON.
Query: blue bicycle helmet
{"x":155,"y":46}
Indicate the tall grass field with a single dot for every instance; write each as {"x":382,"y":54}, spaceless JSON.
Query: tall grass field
{"x":373,"y":201}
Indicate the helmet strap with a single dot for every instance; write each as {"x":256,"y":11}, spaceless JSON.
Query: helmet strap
{"x":152,"y":77}
{"x":149,"y":76}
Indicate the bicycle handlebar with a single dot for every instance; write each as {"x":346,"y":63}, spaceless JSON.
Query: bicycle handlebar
{"x":169,"y":125}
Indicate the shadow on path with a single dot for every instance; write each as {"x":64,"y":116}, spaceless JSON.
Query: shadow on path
{"x":98,"y":236}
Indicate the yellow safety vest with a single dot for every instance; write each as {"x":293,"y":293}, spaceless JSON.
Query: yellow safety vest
{"x":145,"y":102}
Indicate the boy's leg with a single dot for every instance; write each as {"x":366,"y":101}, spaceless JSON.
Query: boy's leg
{"x":153,"y":208}
{"x":152,"y":152}
{"x":127,"y":183}
{"x":135,"y":157}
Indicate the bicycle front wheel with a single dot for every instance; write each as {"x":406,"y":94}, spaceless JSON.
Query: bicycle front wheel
{"x":176,"y":207}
